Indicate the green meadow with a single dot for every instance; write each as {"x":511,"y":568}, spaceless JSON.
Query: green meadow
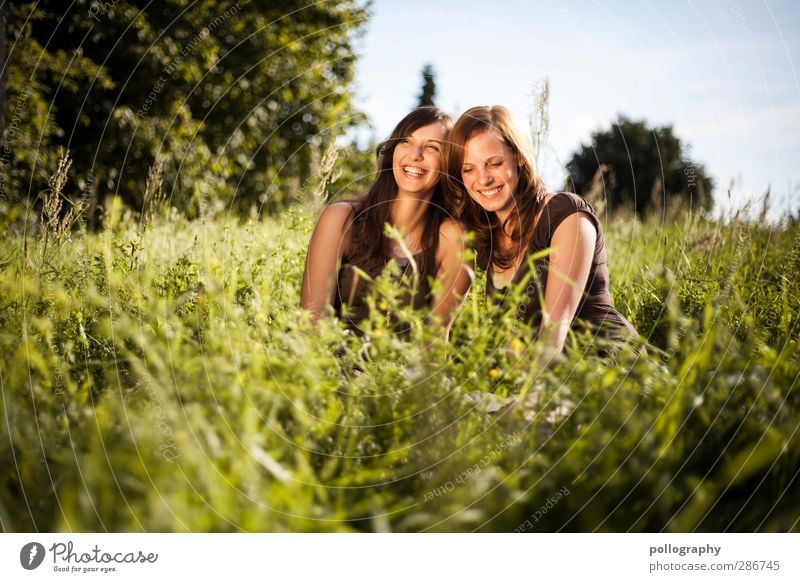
{"x":157,"y":375}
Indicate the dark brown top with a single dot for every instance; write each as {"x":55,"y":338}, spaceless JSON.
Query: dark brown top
{"x":596,"y":308}
{"x":352,"y":289}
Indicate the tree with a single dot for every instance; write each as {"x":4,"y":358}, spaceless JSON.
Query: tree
{"x":239,"y":100}
{"x":641,"y":166}
{"x":428,"y":93}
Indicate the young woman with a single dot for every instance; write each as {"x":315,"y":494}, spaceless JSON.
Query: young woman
{"x":406,"y":194}
{"x":505,"y":203}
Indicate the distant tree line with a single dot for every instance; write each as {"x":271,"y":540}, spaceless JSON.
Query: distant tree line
{"x":644,"y":168}
{"x":237,"y":99}
{"x":238,"y":102}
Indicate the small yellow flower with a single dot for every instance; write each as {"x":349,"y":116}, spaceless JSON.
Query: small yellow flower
{"x":383,"y":306}
{"x":377,"y":333}
{"x":494,"y":373}
{"x":517,"y":345}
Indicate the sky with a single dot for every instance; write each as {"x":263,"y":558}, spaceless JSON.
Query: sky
{"x":724,"y":73}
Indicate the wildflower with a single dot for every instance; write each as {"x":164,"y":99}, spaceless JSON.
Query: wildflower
{"x":494,"y":373}
{"x":383,"y":306}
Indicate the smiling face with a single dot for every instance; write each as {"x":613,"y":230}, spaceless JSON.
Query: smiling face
{"x":490,"y":172}
{"x":417,"y":160}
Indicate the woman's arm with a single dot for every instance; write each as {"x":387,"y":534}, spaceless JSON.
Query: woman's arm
{"x":325,"y":250}
{"x":455,"y":274}
{"x":573,"y":245}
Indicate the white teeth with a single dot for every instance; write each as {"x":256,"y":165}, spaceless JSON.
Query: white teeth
{"x":491,"y":192}
{"x":413,"y":170}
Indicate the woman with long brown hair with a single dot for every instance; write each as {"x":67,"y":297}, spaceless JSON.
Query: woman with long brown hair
{"x":407,"y":195}
{"x":516,"y":221}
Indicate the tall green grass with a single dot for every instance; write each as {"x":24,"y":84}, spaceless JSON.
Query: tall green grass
{"x":157,"y":376}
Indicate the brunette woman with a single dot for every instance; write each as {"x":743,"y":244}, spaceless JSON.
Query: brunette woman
{"x":406,"y":194}
{"x":505,"y":203}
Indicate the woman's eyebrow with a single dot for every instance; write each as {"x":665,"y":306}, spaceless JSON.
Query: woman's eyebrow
{"x":490,"y":158}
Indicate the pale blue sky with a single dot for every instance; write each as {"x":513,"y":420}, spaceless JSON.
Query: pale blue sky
{"x":724,"y":73}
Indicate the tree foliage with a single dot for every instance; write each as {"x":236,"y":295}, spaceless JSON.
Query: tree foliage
{"x":427,"y":95}
{"x":641,"y":166}
{"x":238,"y":99}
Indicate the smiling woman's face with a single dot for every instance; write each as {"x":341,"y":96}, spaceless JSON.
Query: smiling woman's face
{"x":417,"y":160}
{"x":490,"y":173}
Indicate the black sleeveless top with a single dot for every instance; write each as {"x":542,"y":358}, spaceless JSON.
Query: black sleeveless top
{"x":597,"y":308}
{"x":352,"y":289}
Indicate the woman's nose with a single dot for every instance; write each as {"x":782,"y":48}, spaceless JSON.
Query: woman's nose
{"x":485,"y":177}
{"x":416,"y":153}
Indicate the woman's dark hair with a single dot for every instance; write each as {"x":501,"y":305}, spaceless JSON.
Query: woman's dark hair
{"x":528,"y":198}
{"x":369,"y":245}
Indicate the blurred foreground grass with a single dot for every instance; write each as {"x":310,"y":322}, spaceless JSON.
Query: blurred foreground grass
{"x":157,"y":377}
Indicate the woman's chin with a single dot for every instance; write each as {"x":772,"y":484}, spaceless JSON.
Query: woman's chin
{"x":489,"y":204}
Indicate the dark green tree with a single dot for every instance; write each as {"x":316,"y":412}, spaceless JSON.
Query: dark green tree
{"x":238,"y":99}
{"x":428,"y":94}
{"x":640,"y":166}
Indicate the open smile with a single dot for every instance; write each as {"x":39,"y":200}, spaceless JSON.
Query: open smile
{"x":491,"y":193}
{"x":414,"y":171}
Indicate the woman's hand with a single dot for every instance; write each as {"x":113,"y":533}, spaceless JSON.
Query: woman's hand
{"x":325,"y":250}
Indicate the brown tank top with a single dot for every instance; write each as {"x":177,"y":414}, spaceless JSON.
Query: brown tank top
{"x":597,"y":308}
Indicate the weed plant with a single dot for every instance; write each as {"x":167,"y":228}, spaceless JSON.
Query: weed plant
{"x":158,"y":376}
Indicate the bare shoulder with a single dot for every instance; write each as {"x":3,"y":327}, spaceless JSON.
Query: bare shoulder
{"x":334,"y":218}
{"x":575,"y":228}
{"x":333,"y":226}
{"x":336,"y":213}
{"x":451,"y":231}
{"x":452,"y":241}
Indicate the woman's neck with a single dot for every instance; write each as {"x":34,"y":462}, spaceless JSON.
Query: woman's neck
{"x":502,"y":215}
{"x":408,"y":211}
{"x":503,"y":242}
{"x":503,"y":237}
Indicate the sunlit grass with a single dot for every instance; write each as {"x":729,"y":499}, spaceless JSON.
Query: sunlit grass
{"x":158,"y":376}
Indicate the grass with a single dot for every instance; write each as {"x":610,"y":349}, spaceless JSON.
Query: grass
{"x":156,"y":376}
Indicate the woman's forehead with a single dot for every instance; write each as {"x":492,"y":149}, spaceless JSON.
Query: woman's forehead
{"x":434,"y":131}
{"x":485,"y":145}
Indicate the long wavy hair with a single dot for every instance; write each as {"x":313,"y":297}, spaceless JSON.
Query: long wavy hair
{"x":528,"y":198}
{"x":369,"y":245}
